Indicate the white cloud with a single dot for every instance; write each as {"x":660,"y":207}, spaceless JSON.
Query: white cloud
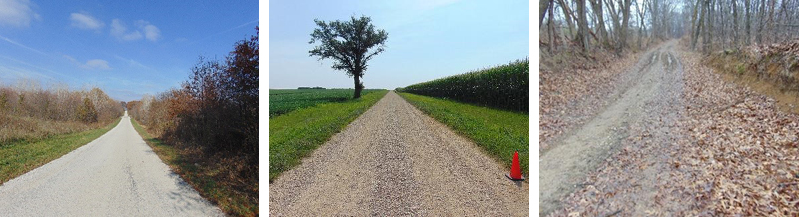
{"x":151,"y":32}
{"x":97,"y":64}
{"x":85,"y":21}
{"x":120,"y":31}
{"x":16,"y":13}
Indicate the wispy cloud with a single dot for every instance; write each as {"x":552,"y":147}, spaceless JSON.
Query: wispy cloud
{"x":85,"y":21}
{"x":120,"y":31}
{"x":97,"y":64}
{"x":151,"y":32}
{"x":132,"y":62}
{"x":21,"y":45}
{"x":228,"y":30}
{"x":94,"y":64}
{"x":16,"y":13}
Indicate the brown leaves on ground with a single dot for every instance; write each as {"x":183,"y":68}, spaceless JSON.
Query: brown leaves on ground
{"x":743,"y":151}
{"x":735,"y":154}
{"x":569,"y":95}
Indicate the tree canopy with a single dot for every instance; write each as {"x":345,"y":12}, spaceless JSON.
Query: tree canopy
{"x":350,"y":44}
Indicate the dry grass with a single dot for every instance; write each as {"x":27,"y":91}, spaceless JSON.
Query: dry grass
{"x":16,"y":128}
{"x":224,"y":179}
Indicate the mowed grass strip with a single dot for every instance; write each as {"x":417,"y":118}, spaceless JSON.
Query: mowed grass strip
{"x":203,"y":179}
{"x":498,"y":132}
{"x":294,"y":135}
{"x":283,"y":101}
{"x":20,"y":156}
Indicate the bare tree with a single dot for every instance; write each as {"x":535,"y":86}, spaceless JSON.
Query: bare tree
{"x":582,"y":22}
{"x":596,"y":6}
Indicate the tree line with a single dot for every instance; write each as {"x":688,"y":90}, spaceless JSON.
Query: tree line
{"x":731,"y":24}
{"x":609,"y":24}
{"x":215,"y":109}
{"x":620,"y":24}
{"x":29,"y":111}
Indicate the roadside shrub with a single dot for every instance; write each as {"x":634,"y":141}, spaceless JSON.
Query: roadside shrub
{"x":32,"y":112}
{"x":215,"y":109}
{"x":504,"y":87}
{"x":87,"y":113}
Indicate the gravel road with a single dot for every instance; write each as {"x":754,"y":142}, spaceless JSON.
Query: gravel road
{"x":650,"y":101}
{"x":116,"y":174}
{"x":394,"y":160}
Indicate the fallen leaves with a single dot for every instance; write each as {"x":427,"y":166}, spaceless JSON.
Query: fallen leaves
{"x":731,"y":152}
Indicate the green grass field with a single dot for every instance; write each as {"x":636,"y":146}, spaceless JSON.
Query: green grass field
{"x":21,"y":156}
{"x":294,"y":135}
{"x":498,"y":132}
{"x":282,"y":101}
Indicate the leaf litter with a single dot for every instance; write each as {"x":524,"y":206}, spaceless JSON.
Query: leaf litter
{"x":730,"y":151}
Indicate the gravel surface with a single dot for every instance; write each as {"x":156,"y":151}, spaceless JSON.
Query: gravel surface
{"x":648,"y":108}
{"x":116,"y":174}
{"x":394,"y":160}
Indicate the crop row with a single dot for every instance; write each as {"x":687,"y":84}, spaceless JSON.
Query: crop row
{"x":504,"y":86}
{"x":284,"y":101}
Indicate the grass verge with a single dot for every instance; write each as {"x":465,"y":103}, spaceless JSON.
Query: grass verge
{"x":294,"y":135}
{"x":20,"y":156}
{"x":203,"y":177}
{"x":498,"y":132}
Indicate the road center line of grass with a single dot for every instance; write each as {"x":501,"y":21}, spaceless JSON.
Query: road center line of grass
{"x":22,"y":156}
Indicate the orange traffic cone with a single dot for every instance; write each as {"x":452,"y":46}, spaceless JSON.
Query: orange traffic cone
{"x":515,"y":169}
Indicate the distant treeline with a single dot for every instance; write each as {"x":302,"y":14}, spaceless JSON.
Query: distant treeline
{"x":503,"y":86}
{"x":28,"y":111}
{"x":303,"y":88}
{"x":216,"y":109}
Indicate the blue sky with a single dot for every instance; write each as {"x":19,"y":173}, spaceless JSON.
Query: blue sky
{"x":127,"y":48}
{"x":427,"y":39}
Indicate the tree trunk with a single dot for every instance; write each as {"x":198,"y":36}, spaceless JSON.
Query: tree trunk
{"x":708,"y":26}
{"x":694,"y":27}
{"x":748,"y":21}
{"x":723,"y":36}
{"x":553,"y":35}
{"x":735,"y":24}
{"x":596,"y":6}
{"x":582,"y":22}
{"x":567,"y":15}
{"x":358,"y":87}
{"x":762,"y":15}
{"x":614,"y":16}
{"x":624,"y":23}
{"x":543,"y":5}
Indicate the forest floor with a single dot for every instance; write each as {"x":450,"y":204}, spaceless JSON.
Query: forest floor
{"x":670,"y":138}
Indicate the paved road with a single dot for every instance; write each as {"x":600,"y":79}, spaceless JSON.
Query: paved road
{"x":114,"y":175}
{"x":394,"y":160}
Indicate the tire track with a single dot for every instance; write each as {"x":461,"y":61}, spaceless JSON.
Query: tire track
{"x":564,"y":168}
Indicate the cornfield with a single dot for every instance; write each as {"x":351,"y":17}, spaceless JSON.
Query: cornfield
{"x":504,"y":87}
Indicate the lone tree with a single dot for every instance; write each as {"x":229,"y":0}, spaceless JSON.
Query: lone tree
{"x":349,"y":44}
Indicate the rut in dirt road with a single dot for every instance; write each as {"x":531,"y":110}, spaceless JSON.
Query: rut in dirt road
{"x":394,"y":160}
{"x":116,"y":174}
{"x":648,"y":101}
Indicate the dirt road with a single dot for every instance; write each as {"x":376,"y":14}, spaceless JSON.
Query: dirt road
{"x":394,"y":160}
{"x":650,"y":100}
{"x":116,"y":174}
